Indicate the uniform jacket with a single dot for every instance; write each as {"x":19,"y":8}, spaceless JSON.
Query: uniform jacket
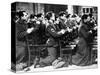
{"x":21,"y":34}
{"x":53,"y":34}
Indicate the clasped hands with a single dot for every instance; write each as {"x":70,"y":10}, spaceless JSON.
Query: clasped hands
{"x":29,"y":30}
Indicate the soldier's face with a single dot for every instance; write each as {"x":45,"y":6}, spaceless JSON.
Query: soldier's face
{"x":53,"y":16}
{"x":63,"y":17}
{"x":57,"y":20}
{"x":25,"y":16}
{"x":41,"y":18}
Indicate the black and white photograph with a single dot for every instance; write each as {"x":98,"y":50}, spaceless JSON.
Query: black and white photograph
{"x":53,"y":37}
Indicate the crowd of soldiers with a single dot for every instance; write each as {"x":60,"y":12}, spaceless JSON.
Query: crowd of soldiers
{"x":53,"y":30}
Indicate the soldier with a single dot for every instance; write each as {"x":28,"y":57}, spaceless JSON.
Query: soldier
{"x":62,"y":18}
{"x":22,"y":31}
{"x":38,"y":37}
{"x":42,"y":28}
{"x":33,"y":22}
{"x":52,"y":40}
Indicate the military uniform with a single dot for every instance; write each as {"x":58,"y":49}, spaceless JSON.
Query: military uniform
{"x":52,"y":41}
{"x":21,"y":34}
{"x":42,"y":32}
{"x":34,"y":35}
{"x":38,"y":38}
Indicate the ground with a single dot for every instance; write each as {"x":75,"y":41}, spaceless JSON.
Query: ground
{"x":50,"y":68}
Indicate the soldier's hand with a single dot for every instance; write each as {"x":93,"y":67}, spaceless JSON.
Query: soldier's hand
{"x":63,"y":31}
{"x":69,"y":30}
{"x":29,"y":30}
{"x":74,"y":27}
{"x":90,"y":31}
{"x":37,"y":22}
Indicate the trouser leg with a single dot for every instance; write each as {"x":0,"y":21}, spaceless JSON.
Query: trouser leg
{"x":50,"y":58}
